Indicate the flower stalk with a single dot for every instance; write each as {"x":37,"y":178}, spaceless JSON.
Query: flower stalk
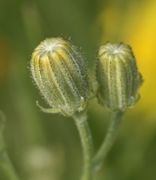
{"x":108,"y":140}
{"x":86,"y":141}
{"x":61,"y":76}
{"x":118,"y":83}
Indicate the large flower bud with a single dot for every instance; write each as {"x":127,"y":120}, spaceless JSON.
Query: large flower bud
{"x":117,"y":76}
{"x":60,"y":74}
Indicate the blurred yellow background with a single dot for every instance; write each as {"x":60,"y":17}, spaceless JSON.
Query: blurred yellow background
{"x":135,"y":25}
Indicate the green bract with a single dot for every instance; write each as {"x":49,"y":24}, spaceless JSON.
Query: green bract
{"x":60,"y":74}
{"x":118,"y":77}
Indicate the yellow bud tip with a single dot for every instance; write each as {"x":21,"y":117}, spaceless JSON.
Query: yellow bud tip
{"x":114,"y":49}
{"x":50,"y":45}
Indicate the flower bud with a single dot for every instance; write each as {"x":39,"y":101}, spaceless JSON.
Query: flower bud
{"x":117,"y":76}
{"x":59,"y":72}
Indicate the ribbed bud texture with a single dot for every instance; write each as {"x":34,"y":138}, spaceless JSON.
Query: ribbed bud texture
{"x":60,"y":74}
{"x":117,"y":76}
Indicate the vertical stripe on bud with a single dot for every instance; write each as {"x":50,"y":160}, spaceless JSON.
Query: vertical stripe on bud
{"x":59,"y":72}
{"x":117,"y":76}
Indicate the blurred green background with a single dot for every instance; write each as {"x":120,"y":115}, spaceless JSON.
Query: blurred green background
{"x":47,"y":147}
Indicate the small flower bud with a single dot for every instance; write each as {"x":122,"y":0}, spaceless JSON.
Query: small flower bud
{"x":117,"y":76}
{"x":59,"y":72}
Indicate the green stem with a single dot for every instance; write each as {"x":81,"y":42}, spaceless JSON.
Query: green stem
{"x":98,"y":159}
{"x":87,"y":145}
{"x":6,"y":167}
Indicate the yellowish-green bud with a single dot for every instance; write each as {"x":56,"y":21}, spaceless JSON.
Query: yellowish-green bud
{"x":117,"y":76}
{"x":60,"y":74}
